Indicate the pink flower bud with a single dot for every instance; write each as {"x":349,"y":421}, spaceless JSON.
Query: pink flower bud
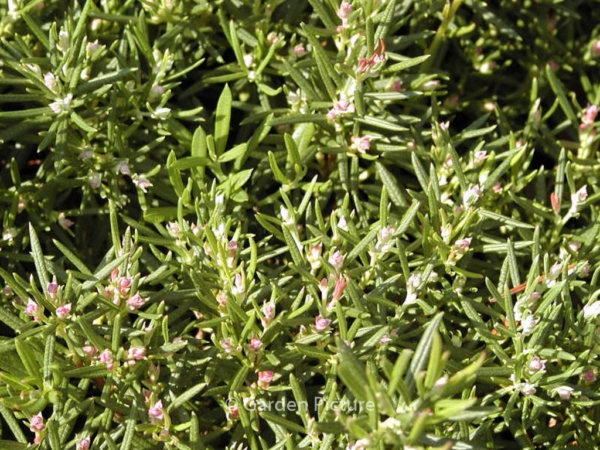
{"x":32,"y":309}
{"x":135,"y":353}
{"x":226,"y":344}
{"x":52,"y":289}
{"x":135,"y":302}
{"x":564,"y":392}
{"x":340,"y":286}
{"x":123,"y":286}
{"x":64,"y":222}
{"x":106,"y":358}
{"x":123,"y":168}
{"x":84,"y":444}
{"x":233,"y":411}
{"x":36,"y":423}
{"x":463,"y":244}
{"x":336,"y":260}
{"x":155,"y":413}
{"x":265,"y":378}
{"x":361,"y":144}
{"x":588,"y":375}
{"x":479,"y":156}
{"x":471,"y":195}
{"x":535,"y":365}
{"x":63,"y":312}
{"x":344,"y":11}
{"x":321,"y":324}
{"x":89,"y":350}
{"x":255,"y":343}
{"x":299,"y":49}
{"x":268,"y":311}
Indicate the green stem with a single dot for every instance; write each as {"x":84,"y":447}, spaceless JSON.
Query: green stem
{"x":449,"y":13}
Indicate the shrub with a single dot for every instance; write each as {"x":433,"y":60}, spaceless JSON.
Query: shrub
{"x":298,"y":224}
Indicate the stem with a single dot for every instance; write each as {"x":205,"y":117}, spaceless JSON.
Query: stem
{"x":449,"y":13}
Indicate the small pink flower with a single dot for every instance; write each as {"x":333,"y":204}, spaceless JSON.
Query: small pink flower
{"x":553,"y":65}
{"x":336,"y":260}
{"x":255,"y":343}
{"x":84,"y":444}
{"x":63,"y":312}
{"x":385,"y":339}
{"x":123,"y":286}
{"x":36,"y":423}
{"x":122,"y":168}
{"x":135,"y":353}
{"x":340,"y":286}
{"x":155,"y":413}
{"x":471,"y":195}
{"x":588,"y":375}
{"x":344,"y":11}
{"x":142,"y":182}
{"x":265,"y":378}
{"x":479,"y":156}
{"x":89,"y":350}
{"x":497,"y":187}
{"x":462,"y":245}
{"x":535,"y":365}
{"x":238,"y":284}
{"x":396,"y":86}
{"x":173,"y":228}
{"x":95,"y":180}
{"x":564,"y":392}
{"x":528,"y":323}
{"x":52,"y":289}
{"x":299,"y":49}
{"x":361,"y":144}
{"x":555,"y":202}
{"x":527,"y":389}
{"x":233,"y":411}
{"x":342,"y":106}
{"x":32,"y":309}
{"x":324,"y":288}
{"x":106,"y":357}
{"x":268,"y":311}
{"x":578,"y":198}
{"x":226,"y":344}
{"x":135,"y":302}
{"x":64,"y":222}
{"x":596,"y":48}
{"x":445,"y":125}
{"x":222,"y":298}
{"x":589,"y":116}
{"x":314,"y":256}
{"x":321,"y":324}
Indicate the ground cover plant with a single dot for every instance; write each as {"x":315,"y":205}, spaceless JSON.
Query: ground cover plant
{"x":299,"y":224}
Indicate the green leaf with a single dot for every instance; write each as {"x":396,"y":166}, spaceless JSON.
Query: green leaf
{"x":186,"y":396}
{"x":103,"y":80}
{"x":422,"y":352}
{"x":233,"y":154}
{"x":30,"y":362}
{"x":403,"y":65}
{"x":559,"y":91}
{"x":352,"y":373}
{"x":222,"y":120}
{"x":391,"y":185}
{"x":38,"y":259}
{"x":503,"y":219}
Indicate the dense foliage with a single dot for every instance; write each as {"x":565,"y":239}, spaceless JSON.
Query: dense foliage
{"x":299,"y":224}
